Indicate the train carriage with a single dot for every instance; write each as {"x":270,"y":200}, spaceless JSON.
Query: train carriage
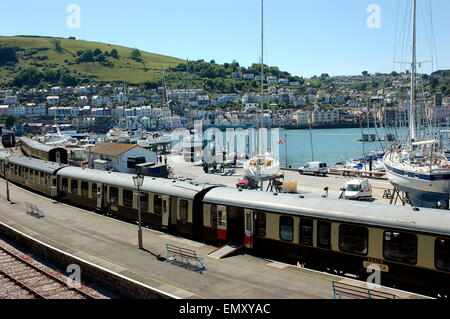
{"x":3,"y":156}
{"x":34,"y":174}
{"x":43,"y":152}
{"x":409,"y":245}
{"x":168,"y":204}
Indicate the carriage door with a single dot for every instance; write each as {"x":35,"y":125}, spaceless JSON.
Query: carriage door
{"x":58,"y":157}
{"x":99,"y":197}
{"x":221,"y":222}
{"x":249,"y":228}
{"x":165,"y":211}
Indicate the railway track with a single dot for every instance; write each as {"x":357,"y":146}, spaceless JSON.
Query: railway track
{"x":21,"y":277}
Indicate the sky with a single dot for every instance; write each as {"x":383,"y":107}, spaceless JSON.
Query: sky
{"x":303,"y":37}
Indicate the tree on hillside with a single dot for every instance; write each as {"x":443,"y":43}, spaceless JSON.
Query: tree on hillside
{"x":58,"y":47}
{"x":29,"y":76}
{"x":97,"y":51}
{"x":7,"y":54}
{"x":136,"y":55}
{"x":365,"y":73}
{"x":85,"y":56}
{"x":114,"y":54}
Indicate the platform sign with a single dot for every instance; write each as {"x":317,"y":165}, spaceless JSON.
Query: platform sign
{"x":222,"y":222}
{"x":249,"y":228}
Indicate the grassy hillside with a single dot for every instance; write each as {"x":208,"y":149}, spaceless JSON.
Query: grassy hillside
{"x":42,"y":53}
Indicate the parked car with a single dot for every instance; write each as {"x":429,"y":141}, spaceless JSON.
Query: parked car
{"x":246,"y":182}
{"x":315,"y":168}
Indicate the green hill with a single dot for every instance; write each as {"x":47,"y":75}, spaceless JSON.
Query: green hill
{"x":80,"y":60}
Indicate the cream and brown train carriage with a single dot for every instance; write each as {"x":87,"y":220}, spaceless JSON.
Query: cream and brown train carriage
{"x":43,"y":152}
{"x":3,"y":156}
{"x":410,"y":246}
{"x":34,"y":174}
{"x":169,"y":204}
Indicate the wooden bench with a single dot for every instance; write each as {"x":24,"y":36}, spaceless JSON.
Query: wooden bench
{"x":356,"y":292}
{"x":34,"y":210}
{"x":186,"y":256}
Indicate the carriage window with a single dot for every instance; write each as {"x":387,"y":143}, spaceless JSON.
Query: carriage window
{"x":127,"y":198}
{"x":324,"y":235}
{"x":223,"y":217}
{"x":442,"y":254}
{"x":213,"y":216}
{"x":113,"y":195}
{"x":260,"y":224}
{"x":144,"y":202}
{"x":53,"y":181}
{"x":286,"y":228}
{"x":74,"y":186}
{"x":64,"y":184}
{"x":184,"y":210}
{"x":401,"y":247}
{"x":85,"y":189}
{"x":157,"y":204}
{"x":94,"y":191}
{"x":306,"y":231}
{"x":353,"y":239}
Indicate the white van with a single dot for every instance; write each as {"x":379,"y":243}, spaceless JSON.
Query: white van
{"x":357,"y":189}
{"x":315,"y":168}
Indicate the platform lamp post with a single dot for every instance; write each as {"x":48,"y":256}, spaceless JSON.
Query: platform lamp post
{"x":6,"y":169}
{"x":138,"y":180}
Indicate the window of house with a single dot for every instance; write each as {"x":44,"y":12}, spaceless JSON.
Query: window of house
{"x":128,"y":198}
{"x":260,"y":224}
{"x":158,"y":204}
{"x":184,"y":210}
{"x":324,"y":234}
{"x":401,"y":247}
{"x":306,"y":231}
{"x":113,"y":195}
{"x":353,"y":239}
{"x":286,"y":228}
{"x":442,"y":254}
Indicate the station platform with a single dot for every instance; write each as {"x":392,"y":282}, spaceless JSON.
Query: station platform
{"x":112,"y":244}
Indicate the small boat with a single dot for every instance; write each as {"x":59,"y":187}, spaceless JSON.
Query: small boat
{"x":262,"y":167}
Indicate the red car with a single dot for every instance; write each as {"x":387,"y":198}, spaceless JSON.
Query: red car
{"x":246,"y":182}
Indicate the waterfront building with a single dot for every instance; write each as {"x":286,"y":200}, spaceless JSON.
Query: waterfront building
{"x":116,"y":156}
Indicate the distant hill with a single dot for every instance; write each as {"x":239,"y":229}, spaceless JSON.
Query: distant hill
{"x":95,"y":62}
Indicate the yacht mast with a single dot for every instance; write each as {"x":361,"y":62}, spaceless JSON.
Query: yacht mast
{"x":412,"y":116}
{"x":262,"y":62}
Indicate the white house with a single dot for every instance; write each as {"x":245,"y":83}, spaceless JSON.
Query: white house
{"x":53,"y":100}
{"x":116,"y":156}
{"x":83,"y":100}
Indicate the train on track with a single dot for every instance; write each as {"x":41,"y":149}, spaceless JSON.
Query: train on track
{"x":409,"y":245}
{"x":44,"y":152}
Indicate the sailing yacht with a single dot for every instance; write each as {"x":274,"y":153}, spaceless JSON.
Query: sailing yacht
{"x":263,"y":165}
{"x":418,"y":168}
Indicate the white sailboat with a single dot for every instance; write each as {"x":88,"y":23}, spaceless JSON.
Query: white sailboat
{"x":263,"y":165}
{"x":419,"y":168}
